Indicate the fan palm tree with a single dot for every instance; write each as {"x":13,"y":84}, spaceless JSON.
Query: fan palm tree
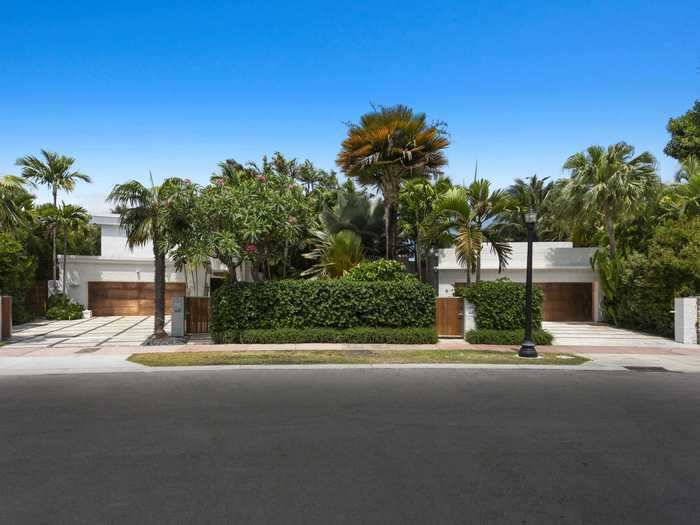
{"x":391,"y":144}
{"x":55,"y":171}
{"x":356,"y":212}
{"x":11,"y":211}
{"x":690,"y":168}
{"x":470,"y":232}
{"x":609,"y":183}
{"x":335,"y":254}
{"x":141,"y":210}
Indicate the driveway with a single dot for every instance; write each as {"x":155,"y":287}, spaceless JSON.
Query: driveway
{"x":604,"y":335}
{"x":363,"y":446}
{"x":95,"y":332}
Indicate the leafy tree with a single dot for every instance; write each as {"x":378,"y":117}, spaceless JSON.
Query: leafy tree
{"x":16,"y":275}
{"x":685,"y":134}
{"x":55,"y":171}
{"x":388,"y":145}
{"x":335,"y":254}
{"x":142,"y":219}
{"x":609,"y":183}
{"x":470,"y":231}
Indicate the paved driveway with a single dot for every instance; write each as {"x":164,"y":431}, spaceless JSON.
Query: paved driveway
{"x":95,"y":332}
{"x":600,"y":334}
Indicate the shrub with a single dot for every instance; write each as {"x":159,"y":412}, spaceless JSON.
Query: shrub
{"x":500,"y":305}
{"x":336,"y":303}
{"x":506,"y":337}
{"x":60,"y":307}
{"x":16,"y":276}
{"x":378,"y":270}
{"x":362,"y":335}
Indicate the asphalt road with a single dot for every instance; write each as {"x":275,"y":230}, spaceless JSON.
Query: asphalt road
{"x":359,"y":446}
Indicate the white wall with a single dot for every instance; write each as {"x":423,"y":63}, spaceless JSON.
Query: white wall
{"x":84,"y":268}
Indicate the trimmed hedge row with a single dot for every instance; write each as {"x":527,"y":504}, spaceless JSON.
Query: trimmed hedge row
{"x":506,"y":337}
{"x":329,"y":335}
{"x":336,"y":303}
{"x":500,"y":305}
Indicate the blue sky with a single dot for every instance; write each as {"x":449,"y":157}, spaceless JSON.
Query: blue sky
{"x":178,"y":86}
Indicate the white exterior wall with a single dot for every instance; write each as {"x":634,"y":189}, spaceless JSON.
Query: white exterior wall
{"x":84,"y":268}
{"x":553,"y":262}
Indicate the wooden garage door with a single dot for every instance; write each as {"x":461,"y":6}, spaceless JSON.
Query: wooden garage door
{"x":567,"y":301}
{"x":116,"y":298}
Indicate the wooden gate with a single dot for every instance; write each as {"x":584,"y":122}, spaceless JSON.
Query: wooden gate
{"x":567,"y":301}
{"x":128,"y":298}
{"x":449,"y":316}
{"x":36,"y":298}
{"x":197,"y":315}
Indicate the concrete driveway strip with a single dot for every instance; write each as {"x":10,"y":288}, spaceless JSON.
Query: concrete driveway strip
{"x":372,"y":446}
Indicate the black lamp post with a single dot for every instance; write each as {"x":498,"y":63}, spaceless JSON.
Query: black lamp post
{"x":528,"y":347}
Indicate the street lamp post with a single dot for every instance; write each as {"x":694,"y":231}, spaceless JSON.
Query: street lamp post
{"x":528,"y":347}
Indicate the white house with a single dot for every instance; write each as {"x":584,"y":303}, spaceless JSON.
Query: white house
{"x":120,"y":280}
{"x":571,"y":287}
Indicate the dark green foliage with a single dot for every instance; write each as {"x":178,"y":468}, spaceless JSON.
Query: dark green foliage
{"x":649,"y":282}
{"x":378,"y":270}
{"x":16,"y":276}
{"x":60,"y":307}
{"x":336,"y":303}
{"x":685,"y":134}
{"x":506,"y":337}
{"x":363,"y":335}
{"x":500,"y":305}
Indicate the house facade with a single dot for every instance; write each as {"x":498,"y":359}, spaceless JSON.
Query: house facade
{"x":571,"y":287}
{"x":120,"y":280}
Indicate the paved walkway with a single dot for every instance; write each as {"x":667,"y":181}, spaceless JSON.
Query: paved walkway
{"x":127,"y":331}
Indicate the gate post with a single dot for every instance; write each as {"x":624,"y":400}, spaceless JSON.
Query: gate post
{"x":469,"y":317}
{"x":686,"y":320}
{"x":5,"y":316}
{"x":177,"y":320}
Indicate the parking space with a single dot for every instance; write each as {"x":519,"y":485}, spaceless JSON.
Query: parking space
{"x":130,"y":330}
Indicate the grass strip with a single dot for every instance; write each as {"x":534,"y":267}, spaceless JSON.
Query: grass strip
{"x":350,"y":357}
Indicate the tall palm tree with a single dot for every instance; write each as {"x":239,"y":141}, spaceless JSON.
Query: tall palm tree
{"x":55,"y":171}
{"x":487,"y":207}
{"x":335,"y":253}
{"x":388,"y":145}
{"x":610,"y":183}
{"x":463,"y":220}
{"x":65,"y":218}
{"x":524,"y":195}
{"x":11,"y":187}
{"x":141,"y":210}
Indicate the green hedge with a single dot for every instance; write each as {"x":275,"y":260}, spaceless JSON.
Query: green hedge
{"x":500,"y":305}
{"x":506,"y":337}
{"x":329,"y":335}
{"x":336,"y":303}
{"x":378,"y":270}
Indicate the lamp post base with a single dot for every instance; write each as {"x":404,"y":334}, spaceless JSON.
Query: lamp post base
{"x":527,"y":349}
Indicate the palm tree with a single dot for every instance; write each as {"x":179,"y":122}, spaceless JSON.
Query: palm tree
{"x":141,"y":210}
{"x":11,"y":211}
{"x":689,"y":169}
{"x":467,"y":225}
{"x":356,"y":212}
{"x":487,"y":207}
{"x":65,"y":218}
{"x":56,"y":172}
{"x":335,"y":254}
{"x":524,"y":195}
{"x":610,"y":183}
{"x":391,"y":144}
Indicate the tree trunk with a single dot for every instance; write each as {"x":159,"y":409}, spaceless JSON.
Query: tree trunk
{"x":419,"y":270}
{"x":159,"y":318}
{"x":610,"y":228}
{"x":65,"y":250}
{"x":54,"y":257}
{"x":390,"y":186}
{"x":478,"y":267}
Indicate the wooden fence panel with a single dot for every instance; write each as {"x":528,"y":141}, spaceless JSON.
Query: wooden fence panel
{"x":197,"y":312}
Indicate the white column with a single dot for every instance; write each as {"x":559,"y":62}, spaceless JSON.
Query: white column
{"x":686,"y":320}
{"x":469,"y":316}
